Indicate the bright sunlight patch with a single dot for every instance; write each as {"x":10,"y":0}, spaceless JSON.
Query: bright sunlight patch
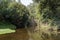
{"x":6,"y":28}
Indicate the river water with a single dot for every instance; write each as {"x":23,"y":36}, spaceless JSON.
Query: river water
{"x":20,"y":34}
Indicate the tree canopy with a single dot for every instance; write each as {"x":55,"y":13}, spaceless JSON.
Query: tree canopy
{"x":14,"y":13}
{"x":49,"y":8}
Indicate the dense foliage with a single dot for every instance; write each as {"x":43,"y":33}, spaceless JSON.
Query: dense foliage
{"x":49,"y":8}
{"x":14,"y":13}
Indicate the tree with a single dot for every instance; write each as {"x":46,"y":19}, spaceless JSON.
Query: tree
{"x":49,"y":8}
{"x":14,"y":13}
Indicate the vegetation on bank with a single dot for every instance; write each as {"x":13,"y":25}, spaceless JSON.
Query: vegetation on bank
{"x":44,"y":13}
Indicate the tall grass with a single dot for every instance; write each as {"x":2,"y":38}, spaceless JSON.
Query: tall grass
{"x":45,"y":31}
